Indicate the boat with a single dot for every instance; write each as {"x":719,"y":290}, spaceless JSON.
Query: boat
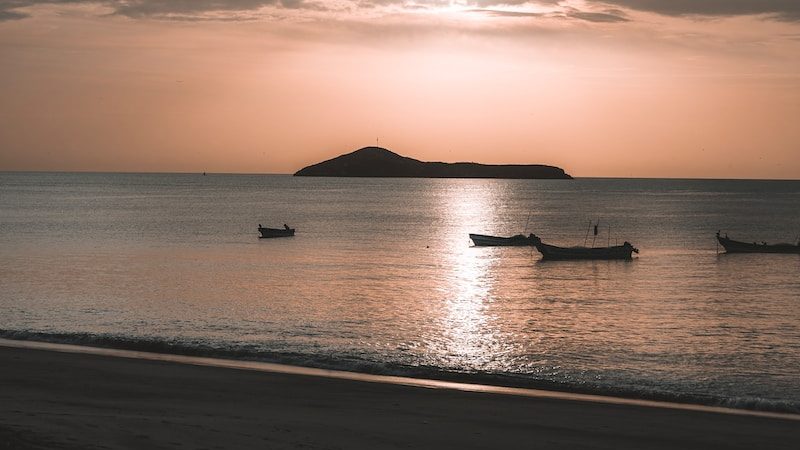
{"x":732,"y":246}
{"x":519,"y":240}
{"x":553,"y":252}
{"x":275,"y":232}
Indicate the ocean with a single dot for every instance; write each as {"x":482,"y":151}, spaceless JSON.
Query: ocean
{"x":381,"y":278}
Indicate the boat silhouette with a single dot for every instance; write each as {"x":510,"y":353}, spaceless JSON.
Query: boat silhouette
{"x":554,"y":252}
{"x":275,"y":232}
{"x":519,"y":240}
{"x":732,"y":246}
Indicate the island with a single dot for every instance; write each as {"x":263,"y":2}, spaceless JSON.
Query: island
{"x":380,"y":162}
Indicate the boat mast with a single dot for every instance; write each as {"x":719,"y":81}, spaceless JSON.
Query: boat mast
{"x":586,"y":239}
{"x":526,"y":223}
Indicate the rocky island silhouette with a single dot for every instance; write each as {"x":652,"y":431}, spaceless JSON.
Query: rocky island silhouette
{"x":380,"y":162}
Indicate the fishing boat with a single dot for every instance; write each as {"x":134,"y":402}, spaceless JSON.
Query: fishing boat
{"x":552,"y":252}
{"x":275,"y":232}
{"x":519,"y":240}
{"x":732,"y":246}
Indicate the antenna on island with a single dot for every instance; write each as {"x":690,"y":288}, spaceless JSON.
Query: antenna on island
{"x":376,"y":142}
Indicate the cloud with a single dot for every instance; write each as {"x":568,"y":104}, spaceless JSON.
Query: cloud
{"x":164,"y":9}
{"x":607,"y":16}
{"x":8,"y":8}
{"x":780,"y":9}
{"x":244,"y":10}
{"x":11,"y":15}
{"x":503,"y":13}
{"x":185,"y":8}
{"x":599,"y":11}
{"x":492,"y":3}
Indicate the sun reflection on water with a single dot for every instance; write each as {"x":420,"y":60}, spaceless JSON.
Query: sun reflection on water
{"x":466,"y":323}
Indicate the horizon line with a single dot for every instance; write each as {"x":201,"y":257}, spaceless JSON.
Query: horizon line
{"x":575,"y":177}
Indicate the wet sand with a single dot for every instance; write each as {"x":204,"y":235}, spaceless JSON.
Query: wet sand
{"x":57,"y":400}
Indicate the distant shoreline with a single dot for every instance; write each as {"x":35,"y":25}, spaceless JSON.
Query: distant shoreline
{"x":381,"y":162}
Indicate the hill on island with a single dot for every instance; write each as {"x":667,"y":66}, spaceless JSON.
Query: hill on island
{"x":380,"y":162}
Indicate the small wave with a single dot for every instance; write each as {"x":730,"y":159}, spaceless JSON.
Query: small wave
{"x":354,"y":364}
{"x":760,"y":404}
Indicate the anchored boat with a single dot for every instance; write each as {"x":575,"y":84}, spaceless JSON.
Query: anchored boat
{"x":275,"y":232}
{"x":553,"y":252}
{"x":732,"y":246}
{"x":519,"y":240}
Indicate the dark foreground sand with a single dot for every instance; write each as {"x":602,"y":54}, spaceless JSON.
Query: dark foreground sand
{"x":53,"y":400}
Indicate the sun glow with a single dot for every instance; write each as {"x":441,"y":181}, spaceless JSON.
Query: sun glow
{"x":597,"y":88}
{"x":470,"y":12}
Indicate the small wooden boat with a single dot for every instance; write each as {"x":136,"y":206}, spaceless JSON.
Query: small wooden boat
{"x":732,"y":246}
{"x":519,"y":240}
{"x":275,"y":232}
{"x":553,"y":252}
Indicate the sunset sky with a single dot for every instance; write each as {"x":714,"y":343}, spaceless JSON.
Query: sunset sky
{"x":631,"y":88}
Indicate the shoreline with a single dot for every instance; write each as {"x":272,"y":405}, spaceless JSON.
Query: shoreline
{"x":278,"y":368}
{"x":71,"y":399}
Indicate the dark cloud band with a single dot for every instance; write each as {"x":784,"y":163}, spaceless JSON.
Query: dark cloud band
{"x":9,"y":9}
{"x":610,"y":16}
{"x":780,"y":9}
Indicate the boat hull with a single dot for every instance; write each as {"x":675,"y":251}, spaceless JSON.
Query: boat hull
{"x":552,"y":252}
{"x":732,"y":246}
{"x":275,"y":232}
{"x":482,"y":240}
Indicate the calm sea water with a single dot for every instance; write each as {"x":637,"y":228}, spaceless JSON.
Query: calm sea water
{"x":381,"y":278}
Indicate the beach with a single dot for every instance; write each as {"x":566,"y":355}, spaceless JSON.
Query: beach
{"x":63,"y":400}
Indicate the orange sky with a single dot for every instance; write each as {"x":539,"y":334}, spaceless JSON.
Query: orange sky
{"x":632,"y":88}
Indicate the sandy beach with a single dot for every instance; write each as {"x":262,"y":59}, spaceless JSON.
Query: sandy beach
{"x":57,"y":400}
